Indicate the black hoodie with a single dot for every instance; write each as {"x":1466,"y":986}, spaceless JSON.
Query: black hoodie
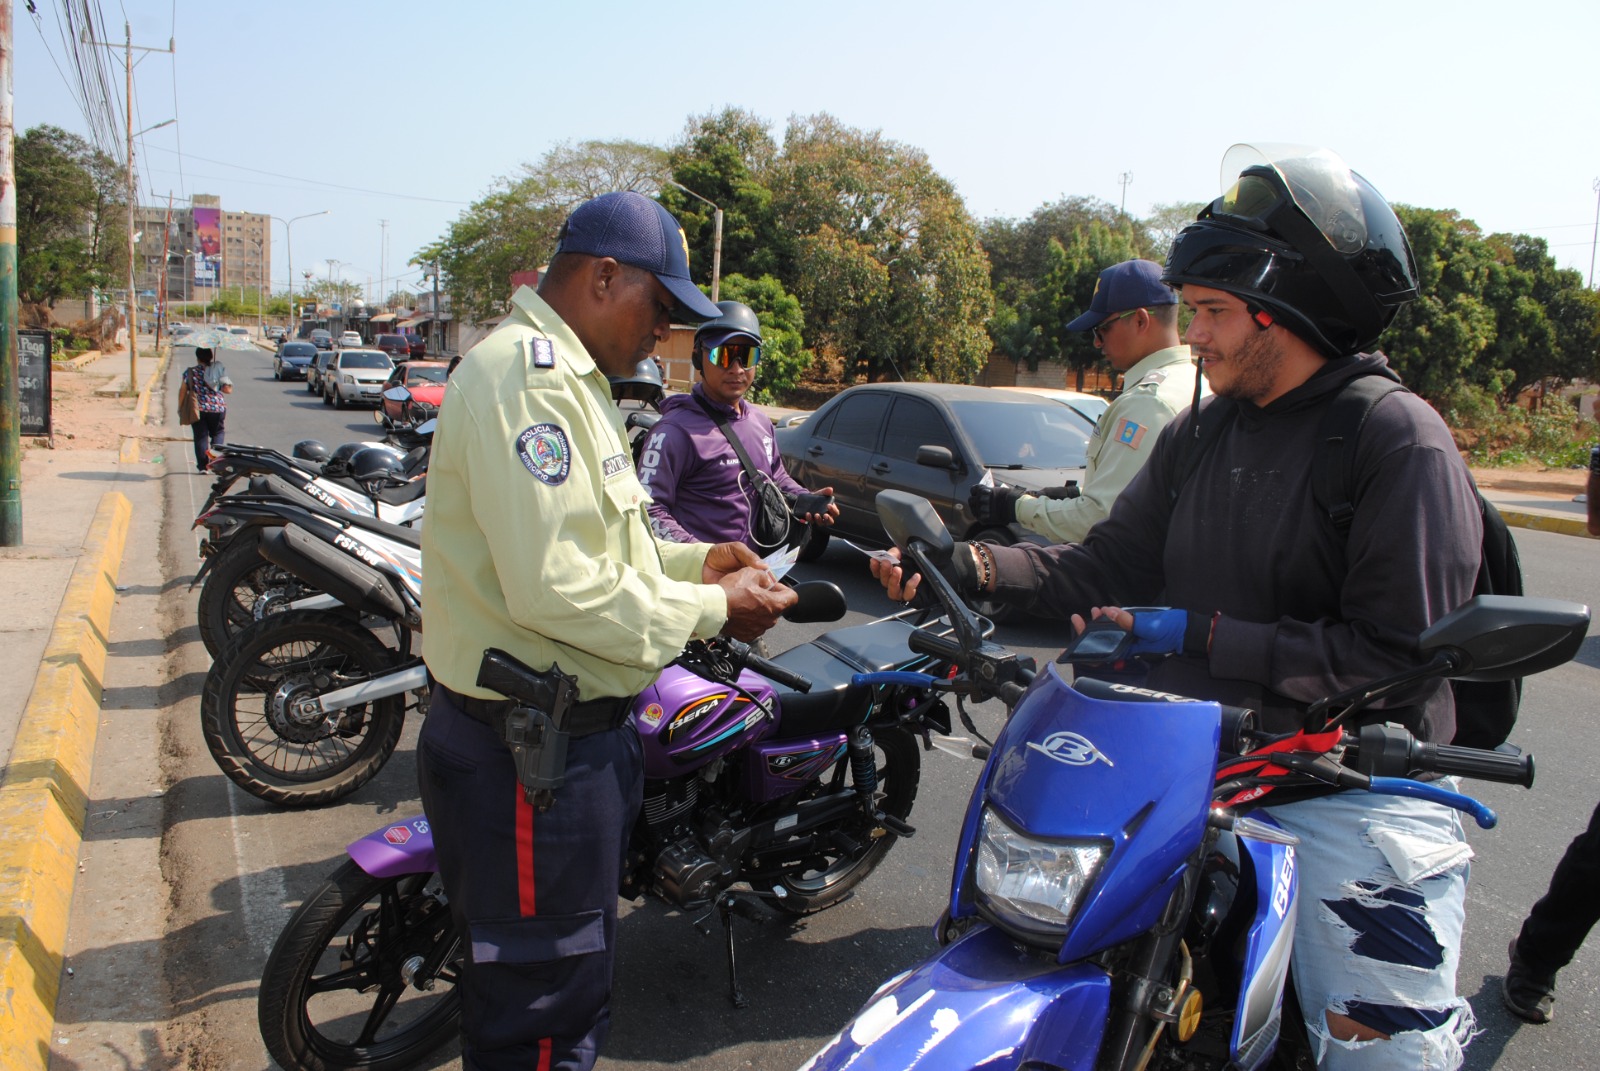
{"x":1304,"y":612}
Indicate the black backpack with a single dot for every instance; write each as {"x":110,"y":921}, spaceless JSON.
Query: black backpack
{"x":1485,"y":710}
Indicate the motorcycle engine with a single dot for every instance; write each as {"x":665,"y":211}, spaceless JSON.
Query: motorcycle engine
{"x":688,"y":876}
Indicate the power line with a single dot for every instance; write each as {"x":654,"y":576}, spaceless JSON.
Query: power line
{"x":303,"y":182}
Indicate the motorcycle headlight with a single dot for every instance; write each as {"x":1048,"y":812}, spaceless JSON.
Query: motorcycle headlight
{"x":1033,"y":885}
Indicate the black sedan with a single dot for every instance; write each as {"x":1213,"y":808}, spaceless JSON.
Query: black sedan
{"x":936,"y":440}
{"x":292,"y":360}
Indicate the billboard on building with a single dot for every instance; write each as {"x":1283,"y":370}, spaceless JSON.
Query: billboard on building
{"x":208,"y":242}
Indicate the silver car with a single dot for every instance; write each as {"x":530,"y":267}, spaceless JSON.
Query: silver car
{"x":356,"y":376}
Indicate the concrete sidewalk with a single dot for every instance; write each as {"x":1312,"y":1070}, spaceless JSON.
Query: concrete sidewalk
{"x":78,"y":509}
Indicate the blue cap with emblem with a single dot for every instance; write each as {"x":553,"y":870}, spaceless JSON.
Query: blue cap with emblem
{"x":632,"y":229}
{"x":1133,"y":284}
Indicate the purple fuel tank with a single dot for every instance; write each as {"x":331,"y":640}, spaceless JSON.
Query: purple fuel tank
{"x":685,"y":721}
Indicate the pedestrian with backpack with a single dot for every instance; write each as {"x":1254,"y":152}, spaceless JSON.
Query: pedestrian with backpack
{"x":1291,"y":276}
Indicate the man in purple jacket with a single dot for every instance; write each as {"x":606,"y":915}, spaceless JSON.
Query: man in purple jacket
{"x":700,"y":487}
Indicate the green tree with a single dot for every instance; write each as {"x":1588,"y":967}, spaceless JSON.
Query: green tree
{"x":784,"y":357}
{"x":1068,"y":287}
{"x":1019,"y":250}
{"x":725,"y":158}
{"x":1163,"y":224}
{"x":1435,"y":342}
{"x":514,"y":226}
{"x":881,"y":252}
{"x":65,"y":208}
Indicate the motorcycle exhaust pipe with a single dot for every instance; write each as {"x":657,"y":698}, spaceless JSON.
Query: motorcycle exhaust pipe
{"x":353,"y":583}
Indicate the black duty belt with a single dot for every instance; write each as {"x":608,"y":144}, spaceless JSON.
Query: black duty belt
{"x":593,"y":716}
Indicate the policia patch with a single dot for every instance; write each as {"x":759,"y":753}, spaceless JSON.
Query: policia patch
{"x":544,"y":450}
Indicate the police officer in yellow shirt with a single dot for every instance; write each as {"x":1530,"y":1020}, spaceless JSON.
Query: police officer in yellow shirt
{"x":1134,"y":319}
{"x":537,"y":543}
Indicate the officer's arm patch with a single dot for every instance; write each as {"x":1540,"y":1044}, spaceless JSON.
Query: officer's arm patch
{"x":544,"y":451}
{"x":1129,"y":434}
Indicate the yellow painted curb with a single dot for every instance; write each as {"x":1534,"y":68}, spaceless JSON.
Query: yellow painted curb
{"x":1541,"y":522}
{"x":44,"y":797}
{"x":129,"y":454}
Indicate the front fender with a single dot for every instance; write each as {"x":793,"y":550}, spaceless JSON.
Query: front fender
{"x":980,"y":1003}
{"x":405,"y":847}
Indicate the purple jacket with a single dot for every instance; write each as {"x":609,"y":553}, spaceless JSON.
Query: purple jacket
{"x":699,"y":490}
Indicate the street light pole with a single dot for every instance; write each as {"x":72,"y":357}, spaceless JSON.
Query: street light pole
{"x":716,"y":237}
{"x":1596,"y":239}
{"x":288,"y":241}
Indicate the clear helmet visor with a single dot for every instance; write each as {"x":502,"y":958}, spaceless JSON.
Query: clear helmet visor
{"x":1257,"y":179}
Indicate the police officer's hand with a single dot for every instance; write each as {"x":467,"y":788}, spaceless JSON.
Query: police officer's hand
{"x":756,"y":599}
{"x":1069,"y":490}
{"x":994,"y":505}
{"x":726,"y":558}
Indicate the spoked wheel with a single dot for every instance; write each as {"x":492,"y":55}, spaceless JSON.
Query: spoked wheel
{"x":241,"y":589}
{"x":824,"y":867}
{"x":260,"y":717}
{"x":364,"y":975}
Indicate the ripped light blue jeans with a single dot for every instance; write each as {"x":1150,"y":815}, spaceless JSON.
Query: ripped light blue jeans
{"x":1383,"y":883}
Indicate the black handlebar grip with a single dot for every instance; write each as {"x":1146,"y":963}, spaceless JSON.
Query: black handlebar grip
{"x":931,"y":643}
{"x":1472,"y":762}
{"x":774,"y":672}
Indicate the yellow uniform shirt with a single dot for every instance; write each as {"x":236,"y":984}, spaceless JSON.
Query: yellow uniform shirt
{"x":1154,"y":391}
{"x":536,"y":539}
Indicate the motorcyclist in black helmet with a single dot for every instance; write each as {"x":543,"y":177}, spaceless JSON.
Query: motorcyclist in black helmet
{"x":1292,"y":274}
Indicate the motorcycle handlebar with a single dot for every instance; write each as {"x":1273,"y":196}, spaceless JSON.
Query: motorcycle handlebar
{"x":1472,"y":762}
{"x":774,"y":672}
{"x":944,"y":648}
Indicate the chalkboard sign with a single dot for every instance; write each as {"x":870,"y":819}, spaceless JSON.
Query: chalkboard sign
{"x":33,"y":382}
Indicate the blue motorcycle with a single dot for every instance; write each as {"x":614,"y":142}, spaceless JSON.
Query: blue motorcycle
{"x":1119,"y":906}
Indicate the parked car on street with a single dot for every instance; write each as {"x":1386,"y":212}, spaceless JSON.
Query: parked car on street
{"x":1089,"y":406}
{"x":292,"y":360}
{"x":318,"y":368}
{"x":355,"y":376}
{"x":275,"y":333}
{"x":418,"y":346}
{"x":240,"y":332}
{"x":320,"y":338}
{"x":425,"y":381}
{"x":936,"y":440}
{"x":395,"y":346}
{"x":350,"y":338}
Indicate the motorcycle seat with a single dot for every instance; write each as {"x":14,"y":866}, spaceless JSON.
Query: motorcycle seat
{"x":403,"y":493}
{"x":828,"y":662}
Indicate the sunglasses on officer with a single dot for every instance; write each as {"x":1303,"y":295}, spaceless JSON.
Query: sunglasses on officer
{"x":726,"y":354}
{"x":1099,"y":329}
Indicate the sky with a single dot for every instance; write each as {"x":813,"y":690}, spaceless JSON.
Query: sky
{"x":393,"y":117}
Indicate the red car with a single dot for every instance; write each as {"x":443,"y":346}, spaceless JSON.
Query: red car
{"x":425,"y":382}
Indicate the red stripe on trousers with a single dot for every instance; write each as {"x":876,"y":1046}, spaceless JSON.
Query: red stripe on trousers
{"x":526,"y":900}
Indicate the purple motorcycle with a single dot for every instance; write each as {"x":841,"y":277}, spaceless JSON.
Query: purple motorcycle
{"x":781,"y":781}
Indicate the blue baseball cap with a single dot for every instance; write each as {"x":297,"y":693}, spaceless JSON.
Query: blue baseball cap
{"x":633,"y":229}
{"x":1133,"y":284}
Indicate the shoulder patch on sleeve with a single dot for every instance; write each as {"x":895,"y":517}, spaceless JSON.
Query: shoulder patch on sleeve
{"x":544,"y":353}
{"x":1154,"y":379}
{"x":545,"y":451}
{"x":1129,"y":434}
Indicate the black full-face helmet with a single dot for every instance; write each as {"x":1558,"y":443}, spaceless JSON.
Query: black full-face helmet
{"x":378,"y":463}
{"x":310,"y":450}
{"x":1302,"y":237}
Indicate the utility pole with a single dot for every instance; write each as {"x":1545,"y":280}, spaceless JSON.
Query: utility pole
{"x":438,"y":318}
{"x":1126,"y":179}
{"x":133,"y":295}
{"x":383,"y":261}
{"x":716,"y":238}
{"x":1596,"y":239}
{"x":10,"y":400}
{"x":166,"y":255}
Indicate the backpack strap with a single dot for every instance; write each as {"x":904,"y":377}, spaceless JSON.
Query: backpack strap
{"x":751,"y":472}
{"x":1333,"y":466}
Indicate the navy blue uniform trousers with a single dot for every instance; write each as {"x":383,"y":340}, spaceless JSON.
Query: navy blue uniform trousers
{"x":1563,"y":917}
{"x":534,"y":891}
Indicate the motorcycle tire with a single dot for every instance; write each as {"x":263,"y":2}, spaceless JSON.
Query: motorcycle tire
{"x":247,"y":709}
{"x":333,"y":996}
{"x":241,"y":589}
{"x":831,"y":868}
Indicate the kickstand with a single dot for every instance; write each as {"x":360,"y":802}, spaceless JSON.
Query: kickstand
{"x":725,"y":907}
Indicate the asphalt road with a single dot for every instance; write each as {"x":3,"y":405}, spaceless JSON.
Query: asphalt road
{"x":238,"y":867}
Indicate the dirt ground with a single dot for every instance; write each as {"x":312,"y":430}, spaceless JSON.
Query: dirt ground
{"x":83,"y":420}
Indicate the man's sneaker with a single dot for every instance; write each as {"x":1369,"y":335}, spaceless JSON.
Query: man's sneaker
{"x":1529,"y":995}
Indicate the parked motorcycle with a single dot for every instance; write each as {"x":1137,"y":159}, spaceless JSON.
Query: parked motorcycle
{"x":238,"y":586}
{"x":781,"y":782}
{"x":308,"y":704}
{"x":1117,"y":905}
